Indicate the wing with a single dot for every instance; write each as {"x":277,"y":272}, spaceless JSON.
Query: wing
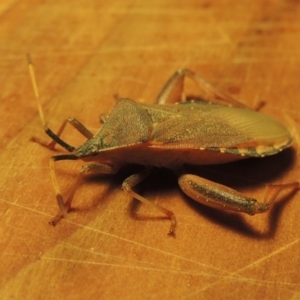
{"x":208,"y":126}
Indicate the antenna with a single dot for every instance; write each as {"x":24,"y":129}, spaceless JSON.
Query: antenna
{"x":35,"y":89}
{"x":48,"y":131}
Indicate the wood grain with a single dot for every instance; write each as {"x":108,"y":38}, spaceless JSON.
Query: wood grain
{"x":112,"y":247}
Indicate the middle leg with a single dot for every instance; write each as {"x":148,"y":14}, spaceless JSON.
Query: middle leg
{"x":132,"y":181}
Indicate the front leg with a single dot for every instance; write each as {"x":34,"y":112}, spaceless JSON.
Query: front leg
{"x":66,"y":206}
{"x":56,"y":136}
{"x":219,"y":196}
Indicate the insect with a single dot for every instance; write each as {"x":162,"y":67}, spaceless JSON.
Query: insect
{"x":171,"y":133}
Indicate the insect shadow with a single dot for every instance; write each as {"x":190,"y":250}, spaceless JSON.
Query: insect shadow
{"x":241,"y":175}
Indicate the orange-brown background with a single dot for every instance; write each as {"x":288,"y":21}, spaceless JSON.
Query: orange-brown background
{"x":113,"y":248}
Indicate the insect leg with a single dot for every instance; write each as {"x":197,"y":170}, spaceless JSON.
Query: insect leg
{"x":56,"y":136}
{"x":219,"y":196}
{"x":65,"y":207}
{"x":173,"y":91}
{"x":133,"y":180}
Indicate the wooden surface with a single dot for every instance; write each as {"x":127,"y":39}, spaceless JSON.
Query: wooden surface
{"x":112,"y":247}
